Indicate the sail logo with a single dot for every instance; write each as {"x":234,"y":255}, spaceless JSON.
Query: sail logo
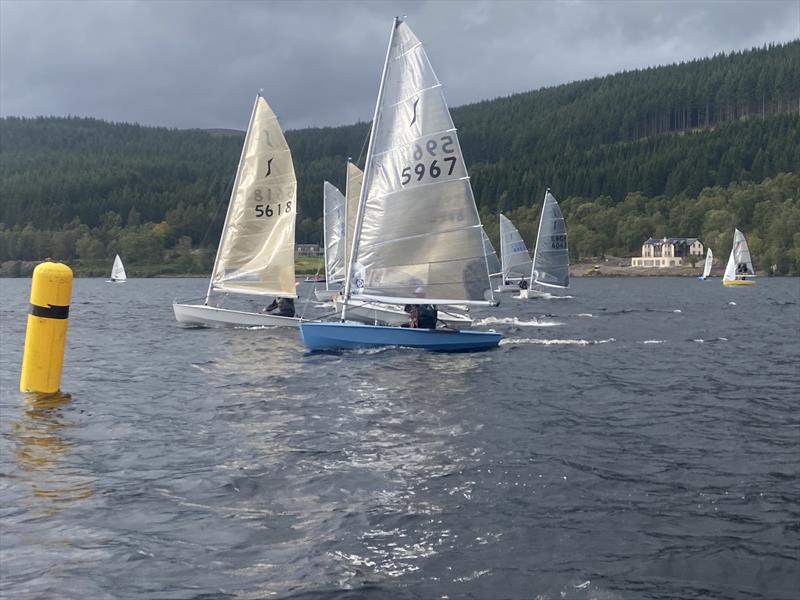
{"x":269,"y":168}
{"x":414,"y":120}
{"x":519,"y":247}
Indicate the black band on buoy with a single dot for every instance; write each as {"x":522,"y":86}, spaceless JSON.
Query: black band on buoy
{"x":49,"y":311}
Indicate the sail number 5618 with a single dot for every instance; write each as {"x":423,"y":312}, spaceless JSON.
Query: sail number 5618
{"x":433,"y":148}
{"x":268,"y":210}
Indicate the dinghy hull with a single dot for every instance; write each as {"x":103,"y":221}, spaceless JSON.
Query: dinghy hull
{"x":737,"y":282}
{"x":211,"y":316}
{"x":326,"y":295}
{"x":347,"y":336}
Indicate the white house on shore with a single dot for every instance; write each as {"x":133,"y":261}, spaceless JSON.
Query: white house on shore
{"x":668,"y":252}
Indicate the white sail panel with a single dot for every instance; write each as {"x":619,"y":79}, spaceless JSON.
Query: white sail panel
{"x":420,"y":233}
{"x":709,"y":262}
{"x":117,"y":270}
{"x":334,"y":219}
{"x":256,"y":253}
{"x":551,"y":255}
{"x":514,"y":255}
{"x":355,"y":179}
{"x":491,"y":256}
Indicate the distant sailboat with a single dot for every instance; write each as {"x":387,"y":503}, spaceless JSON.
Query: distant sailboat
{"x":256,"y":251}
{"x":515,"y":261}
{"x":739,"y":270}
{"x":707,"y":265}
{"x":418,"y":237}
{"x":117,"y":272}
{"x":340,"y":217}
{"x":551,"y":253}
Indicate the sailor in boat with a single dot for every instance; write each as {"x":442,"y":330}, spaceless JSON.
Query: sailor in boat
{"x":523,"y":285}
{"x":284,"y":306}
{"x":741,"y":271}
{"x":421,"y":316}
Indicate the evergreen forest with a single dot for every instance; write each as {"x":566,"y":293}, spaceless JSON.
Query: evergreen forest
{"x":691,"y":150}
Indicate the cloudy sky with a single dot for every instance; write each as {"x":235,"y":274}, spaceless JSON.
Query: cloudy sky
{"x":198,"y":63}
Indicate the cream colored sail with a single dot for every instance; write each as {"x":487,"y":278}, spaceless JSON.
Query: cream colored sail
{"x":256,"y":252}
{"x":418,"y":233}
{"x":355,"y":178}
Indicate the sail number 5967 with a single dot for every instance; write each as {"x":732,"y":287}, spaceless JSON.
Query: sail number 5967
{"x":435,"y":149}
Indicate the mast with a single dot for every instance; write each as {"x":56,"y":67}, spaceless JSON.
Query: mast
{"x":230,"y":201}
{"x":367,"y":173}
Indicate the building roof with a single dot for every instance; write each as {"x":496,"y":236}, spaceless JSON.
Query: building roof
{"x":675,"y":241}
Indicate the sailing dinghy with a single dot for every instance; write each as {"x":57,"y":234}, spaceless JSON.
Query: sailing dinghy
{"x":550,"y":255}
{"x":707,"y":265}
{"x":418,"y":237}
{"x":514,"y":258}
{"x":739,"y":270}
{"x":255,"y":256}
{"x":117,"y":272}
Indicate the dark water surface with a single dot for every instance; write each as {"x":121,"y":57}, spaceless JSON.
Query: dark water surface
{"x":638,"y":440}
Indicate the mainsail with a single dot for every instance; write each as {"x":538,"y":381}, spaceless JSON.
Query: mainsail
{"x":334,"y":226}
{"x":740,"y":265}
{"x":418,"y":232}
{"x":513,"y":252}
{"x":491,"y":256}
{"x":550,"y":255}
{"x":355,"y":178}
{"x":256,"y":251}
{"x":117,"y":270}
{"x":708,"y":263}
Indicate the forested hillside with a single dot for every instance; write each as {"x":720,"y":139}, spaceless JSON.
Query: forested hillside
{"x":689,"y":150}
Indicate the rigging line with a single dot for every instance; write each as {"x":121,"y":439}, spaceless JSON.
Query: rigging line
{"x":216,"y":212}
{"x":363,"y":147}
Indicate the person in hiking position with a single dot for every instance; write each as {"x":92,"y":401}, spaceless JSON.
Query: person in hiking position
{"x":284,"y":306}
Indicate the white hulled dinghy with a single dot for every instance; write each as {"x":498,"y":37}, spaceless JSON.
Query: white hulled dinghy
{"x":117,"y":272}
{"x":255,"y":256}
{"x":551,"y":254}
{"x":707,"y":265}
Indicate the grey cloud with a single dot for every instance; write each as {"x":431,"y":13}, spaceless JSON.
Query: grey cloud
{"x":199,"y":64}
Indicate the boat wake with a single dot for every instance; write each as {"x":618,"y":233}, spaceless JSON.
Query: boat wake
{"x":544,"y":296}
{"x":514,"y":321}
{"x":654,"y":341}
{"x":541,"y":342}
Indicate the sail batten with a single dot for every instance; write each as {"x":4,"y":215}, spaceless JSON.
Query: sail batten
{"x":419,"y":233}
{"x":256,"y":251}
{"x":551,"y":255}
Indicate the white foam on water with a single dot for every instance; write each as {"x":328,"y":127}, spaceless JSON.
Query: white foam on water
{"x":654,"y":341}
{"x":731,"y":303}
{"x":585,"y":315}
{"x":538,"y":341}
{"x":699,"y":340}
{"x":515,"y":321}
{"x":543,"y":296}
{"x":677,"y":310}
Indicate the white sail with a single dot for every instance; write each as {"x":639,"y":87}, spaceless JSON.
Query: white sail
{"x":256,"y":251}
{"x":117,"y":270}
{"x":334,"y":226}
{"x":708,"y":263}
{"x":740,"y":265}
{"x":418,"y":232}
{"x":513,"y":252}
{"x":491,"y":256}
{"x":551,"y":255}
{"x":355,"y":179}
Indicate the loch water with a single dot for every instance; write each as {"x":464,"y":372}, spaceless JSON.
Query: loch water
{"x":636,"y":439}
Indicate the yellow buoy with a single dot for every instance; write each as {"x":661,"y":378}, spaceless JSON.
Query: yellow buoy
{"x":46,"y":335}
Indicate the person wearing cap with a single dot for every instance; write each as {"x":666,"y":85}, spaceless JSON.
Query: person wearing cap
{"x":422,"y":316}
